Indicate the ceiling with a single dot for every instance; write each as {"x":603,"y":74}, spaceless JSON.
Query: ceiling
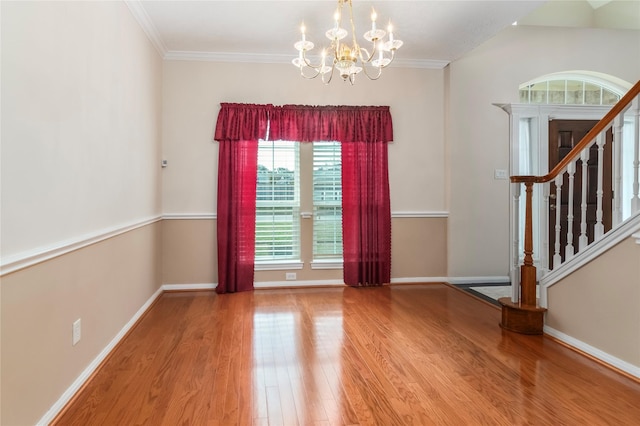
{"x":434,"y":32}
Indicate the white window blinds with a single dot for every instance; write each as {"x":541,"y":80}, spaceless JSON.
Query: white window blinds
{"x":327,"y":200}
{"x":278,"y":201}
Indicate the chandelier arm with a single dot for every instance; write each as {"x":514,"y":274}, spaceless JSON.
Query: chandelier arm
{"x":364,"y":68}
{"x":370,"y":55}
{"x":309,"y":64}
{"x":330,"y":76}
{"x":309,"y":77}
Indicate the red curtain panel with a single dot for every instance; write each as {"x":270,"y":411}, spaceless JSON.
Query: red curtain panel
{"x":238,"y":130}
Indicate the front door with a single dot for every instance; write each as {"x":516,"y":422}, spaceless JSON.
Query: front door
{"x":563,"y":136}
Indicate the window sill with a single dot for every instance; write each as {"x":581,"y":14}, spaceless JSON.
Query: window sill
{"x":327,"y":264}
{"x":277,"y":265}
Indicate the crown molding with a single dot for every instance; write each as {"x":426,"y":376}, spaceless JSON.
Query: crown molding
{"x":145,"y":22}
{"x":265,"y":58}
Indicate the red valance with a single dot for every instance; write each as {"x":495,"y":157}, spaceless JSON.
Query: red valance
{"x":242,"y":122}
{"x":331,"y":123}
{"x":304,"y":123}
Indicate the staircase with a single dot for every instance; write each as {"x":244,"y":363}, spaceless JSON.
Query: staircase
{"x":590,"y":209}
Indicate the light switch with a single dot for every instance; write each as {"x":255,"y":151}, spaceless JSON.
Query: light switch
{"x":500,"y":174}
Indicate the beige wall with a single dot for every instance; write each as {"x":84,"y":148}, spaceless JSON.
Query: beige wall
{"x":81,"y":111}
{"x":189,"y":253}
{"x":104,"y":285}
{"x":478,"y":132}
{"x":598,"y":304}
{"x":193,"y":91}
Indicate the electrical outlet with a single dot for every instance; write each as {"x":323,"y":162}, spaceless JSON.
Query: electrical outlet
{"x":290,"y":276}
{"x":77,"y":331}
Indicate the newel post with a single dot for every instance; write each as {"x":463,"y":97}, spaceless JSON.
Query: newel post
{"x":527,"y":269}
{"x":525,"y":316}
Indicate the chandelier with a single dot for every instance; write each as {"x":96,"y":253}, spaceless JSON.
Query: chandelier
{"x":349,"y":60}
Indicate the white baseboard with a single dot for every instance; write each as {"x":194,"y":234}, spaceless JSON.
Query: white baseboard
{"x":339,"y":283}
{"x":84,"y":376}
{"x":413,"y":280}
{"x":178,"y":287}
{"x":480,"y":280}
{"x":298,"y":283}
{"x":628,"y":368}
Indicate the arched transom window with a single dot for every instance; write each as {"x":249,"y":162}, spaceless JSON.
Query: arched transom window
{"x":571,"y":88}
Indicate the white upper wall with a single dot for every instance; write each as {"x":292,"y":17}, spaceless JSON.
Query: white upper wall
{"x":81,"y":99}
{"x":193,"y":91}
{"x":619,"y":14}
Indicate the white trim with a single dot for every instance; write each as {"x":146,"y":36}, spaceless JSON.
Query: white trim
{"x":285,"y":284}
{"x":631,"y":369}
{"x":637,"y":237}
{"x":84,"y":376}
{"x":40,"y":254}
{"x":277,"y":265}
{"x":186,"y":287}
{"x":480,"y":280}
{"x":420,"y":63}
{"x":418,"y":280}
{"x":190,"y":216}
{"x":145,"y":22}
{"x":401,"y":214}
{"x":611,"y":239}
{"x":299,"y":283}
{"x":327,"y":264}
{"x":233,"y":57}
{"x":430,"y":214}
{"x":264,"y":58}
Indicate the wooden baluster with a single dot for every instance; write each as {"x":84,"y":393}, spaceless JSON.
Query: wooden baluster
{"x":527,"y":270}
{"x":569,"y":249}
{"x":515,"y":267}
{"x":557,"y":258}
{"x":583,"y":241}
{"x":599,"y":226}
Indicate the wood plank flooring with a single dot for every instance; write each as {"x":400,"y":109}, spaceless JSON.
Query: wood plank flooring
{"x":399,"y":355}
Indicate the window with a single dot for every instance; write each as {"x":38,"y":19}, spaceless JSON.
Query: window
{"x":327,"y":200}
{"x":278,"y":201}
{"x":294,"y":177}
{"x":569,"y":89}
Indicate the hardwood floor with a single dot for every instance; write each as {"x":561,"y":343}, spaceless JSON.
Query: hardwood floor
{"x":400,"y":355}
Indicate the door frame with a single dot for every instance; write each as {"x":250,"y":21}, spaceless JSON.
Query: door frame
{"x":539,"y":116}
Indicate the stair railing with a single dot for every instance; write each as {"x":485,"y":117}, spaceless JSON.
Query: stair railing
{"x":523,"y":306}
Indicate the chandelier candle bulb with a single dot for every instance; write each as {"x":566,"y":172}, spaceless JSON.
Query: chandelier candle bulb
{"x":374,"y":16}
{"x":390,"y":30}
{"x":302,"y":30}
